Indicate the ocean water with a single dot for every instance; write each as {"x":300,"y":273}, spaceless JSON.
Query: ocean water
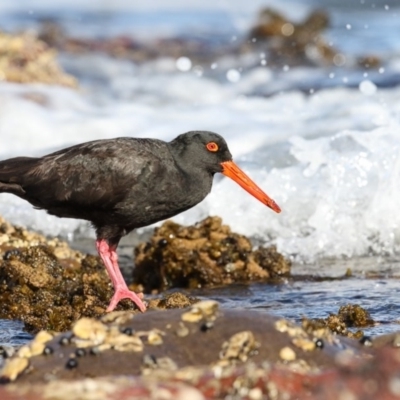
{"x":323,"y":142}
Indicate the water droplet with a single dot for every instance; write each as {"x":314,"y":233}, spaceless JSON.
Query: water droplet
{"x":233,"y":75}
{"x":348,"y":26}
{"x":198,"y":70}
{"x":183,"y":64}
{"x":286,"y":68}
{"x":287,"y":29}
{"x":339,"y":59}
{"x":367,"y":87}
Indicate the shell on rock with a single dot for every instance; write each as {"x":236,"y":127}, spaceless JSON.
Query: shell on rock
{"x":206,"y":309}
{"x":287,"y":354}
{"x":154,"y":338}
{"x":124,"y":342}
{"x":130,"y":346}
{"x":32,"y":349}
{"x":290,"y":328}
{"x":25,"y":352}
{"x":14,"y":367}
{"x":192,"y":316}
{"x":90,"y":329}
{"x":117,"y":317}
{"x":151,"y":363}
{"x":304,"y":344}
{"x":182,"y":330}
{"x":43,"y":337}
{"x":239,"y":347}
{"x":100,"y":348}
{"x":37,"y":348}
{"x":167,"y":364}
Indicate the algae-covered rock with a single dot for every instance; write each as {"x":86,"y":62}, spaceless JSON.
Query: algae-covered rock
{"x":46,"y":284}
{"x":206,"y":254}
{"x":349,"y":316}
{"x":25,"y":59}
{"x":297,"y":43}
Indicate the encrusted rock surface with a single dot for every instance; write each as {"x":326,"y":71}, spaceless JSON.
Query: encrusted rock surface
{"x":282,"y":41}
{"x":190,"y":349}
{"x":207,"y":254}
{"x":46,"y":284}
{"x":203,"y":334}
{"x":349,"y":316}
{"x":26,"y":59}
{"x":202,"y":352}
{"x":165,"y":341}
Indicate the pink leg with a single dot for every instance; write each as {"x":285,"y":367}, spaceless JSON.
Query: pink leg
{"x":110,"y":258}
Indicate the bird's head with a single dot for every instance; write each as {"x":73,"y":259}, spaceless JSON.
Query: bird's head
{"x":209,"y":151}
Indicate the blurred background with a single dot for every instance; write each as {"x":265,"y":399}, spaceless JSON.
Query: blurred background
{"x":305,"y":92}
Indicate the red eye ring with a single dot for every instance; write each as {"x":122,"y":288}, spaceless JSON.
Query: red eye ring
{"x":212,"y":146}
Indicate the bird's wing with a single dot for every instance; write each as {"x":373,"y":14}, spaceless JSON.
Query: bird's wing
{"x":96,"y":174}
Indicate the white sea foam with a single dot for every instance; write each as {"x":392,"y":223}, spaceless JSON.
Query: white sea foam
{"x":330,"y":160}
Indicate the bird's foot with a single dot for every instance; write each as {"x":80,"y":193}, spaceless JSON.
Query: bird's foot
{"x":125,"y":293}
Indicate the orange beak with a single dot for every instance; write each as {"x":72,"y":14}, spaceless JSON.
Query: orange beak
{"x":230,"y":169}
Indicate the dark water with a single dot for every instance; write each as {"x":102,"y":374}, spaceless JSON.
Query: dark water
{"x":315,"y":291}
{"x":318,"y":290}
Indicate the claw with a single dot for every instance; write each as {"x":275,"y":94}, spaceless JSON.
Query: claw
{"x":109,"y":256}
{"x":125,"y":293}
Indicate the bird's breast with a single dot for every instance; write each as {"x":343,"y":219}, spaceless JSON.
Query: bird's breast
{"x":163,"y":197}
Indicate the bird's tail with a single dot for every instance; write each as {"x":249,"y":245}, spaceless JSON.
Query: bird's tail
{"x":12,"y":173}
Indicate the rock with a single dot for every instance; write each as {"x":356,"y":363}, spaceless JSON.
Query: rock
{"x":214,"y":338}
{"x":350,"y":315}
{"x":207,"y":254}
{"x":26,"y":59}
{"x":243,"y":355}
{"x":289,"y":43}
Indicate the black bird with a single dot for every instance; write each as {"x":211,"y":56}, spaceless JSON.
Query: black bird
{"x":124,"y":183}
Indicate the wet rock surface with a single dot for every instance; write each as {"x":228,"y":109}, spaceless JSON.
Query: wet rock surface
{"x":200,"y":352}
{"x":26,"y":59}
{"x":207,"y":254}
{"x":46,"y":284}
{"x":204,"y":334}
{"x":282,"y":41}
{"x":293,"y":43}
{"x":348,"y":316}
{"x":181,"y":346}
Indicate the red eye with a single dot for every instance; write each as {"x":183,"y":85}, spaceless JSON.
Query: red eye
{"x":212,"y":146}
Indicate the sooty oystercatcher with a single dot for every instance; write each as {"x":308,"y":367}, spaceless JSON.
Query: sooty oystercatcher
{"x":124,"y":183}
